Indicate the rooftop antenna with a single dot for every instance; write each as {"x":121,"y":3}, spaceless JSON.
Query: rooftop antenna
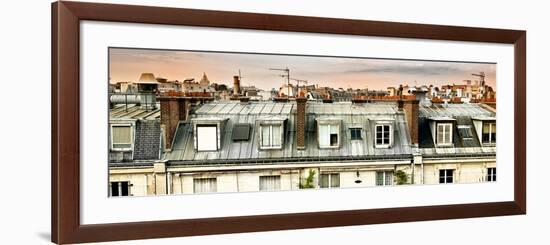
{"x":287,"y":75}
{"x":240,"y":77}
{"x":298,"y":81}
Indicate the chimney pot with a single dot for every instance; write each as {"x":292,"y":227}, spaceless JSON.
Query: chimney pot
{"x":410,"y":107}
{"x":301,"y":123}
{"x":236,"y":85}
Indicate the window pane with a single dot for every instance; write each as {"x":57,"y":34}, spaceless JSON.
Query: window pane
{"x":389,"y":178}
{"x":440,"y":136}
{"x":204,"y":185}
{"x":442,"y":175}
{"x":449,"y":176}
{"x":124,"y":189}
{"x":122,"y":136}
{"x":333,"y":139}
{"x":114,"y":189}
{"x":265,"y":135}
{"x":355,"y":133}
{"x":379,"y":178}
{"x":323,"y":180}
{"x":335,"y":180}
{"x":269,"y":183}
{"x":334,"y":129}
{"x":276,"y":135}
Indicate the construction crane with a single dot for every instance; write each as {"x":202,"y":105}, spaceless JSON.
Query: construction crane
{"x":287,"y":75}
{"x":481,"y":76}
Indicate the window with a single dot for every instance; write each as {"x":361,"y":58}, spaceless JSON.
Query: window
{"x":384,"y":178}
{"x":270,"y":183}
{"x":121,"y":137}
{"x":465,"y":132}
{"x":207,"y":138}
{"x":491,"y":174}
{"x":120,"y":189}
{"x":446,"y":176}
{"x":383,"y":135}
{"x":241,"y":132}
{"x":204,"y":185}
{"x":329,"y":180}
{"x":489,"y":133}
{"x":271,"y":136}
{"x":355,"y":133}
{"x":444,"y":133}
{"x":328,"y":135}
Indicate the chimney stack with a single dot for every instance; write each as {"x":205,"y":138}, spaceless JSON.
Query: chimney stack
{"x":172,"y":111}
{"x":236,"y":85}
{"x":301,"y":123}
{"x":410,"y":107}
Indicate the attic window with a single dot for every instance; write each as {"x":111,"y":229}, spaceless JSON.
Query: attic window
{"x":121,"y":137}
{"x":355,"y":133}
{"x":271,"y":136}
{"x":383,"y":135}
{"x":241,"y":132}
{"x":329,"y":135}
{"x":444,"y":133}
{"x":489,"y":133}
{"x":465,"y":132}
{"x":207,"y":138}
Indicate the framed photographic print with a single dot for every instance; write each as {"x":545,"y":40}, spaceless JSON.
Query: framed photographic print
{"x":177,"y":122}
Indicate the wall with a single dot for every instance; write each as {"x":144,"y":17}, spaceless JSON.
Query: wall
{"x":26,"y":55}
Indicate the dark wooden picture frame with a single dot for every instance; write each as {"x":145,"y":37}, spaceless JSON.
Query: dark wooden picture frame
{"x":65,"y":175}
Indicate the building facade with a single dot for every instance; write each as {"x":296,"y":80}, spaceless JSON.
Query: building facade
{"x":245,"y":146}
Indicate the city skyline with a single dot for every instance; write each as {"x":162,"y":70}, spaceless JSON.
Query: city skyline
{"x":336,"y":72}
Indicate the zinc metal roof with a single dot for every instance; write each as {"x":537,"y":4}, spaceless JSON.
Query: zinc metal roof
{"x":465,"y":138}
{"x":454,"y":110}
{"x":351,"y":115}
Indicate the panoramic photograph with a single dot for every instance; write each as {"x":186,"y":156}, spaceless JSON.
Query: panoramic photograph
{"x":192,"y":122}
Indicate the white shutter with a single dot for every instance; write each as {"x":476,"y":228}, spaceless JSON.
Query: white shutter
{"x":207,"y":138}
{"x":324,"y":136}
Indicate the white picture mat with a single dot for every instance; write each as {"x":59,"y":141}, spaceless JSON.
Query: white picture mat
{"x":96,"y":207}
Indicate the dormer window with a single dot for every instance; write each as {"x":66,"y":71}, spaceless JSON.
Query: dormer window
{"x":207,"y":137}
{"x":208,"y":133}
{"x":489,"y":133}
{"x":121,"y":137}
{"x":271,"y":136}
{"x":355,"y":133}
{"x":329,"y":133}
{"x":444,"y":134}
{"x":383,"y":135}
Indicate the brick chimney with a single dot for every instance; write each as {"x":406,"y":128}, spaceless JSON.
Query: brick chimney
{"x":410,"y":107}
{"x":236,"y":85}
{"x":301,"y":123}
{"x":172,"y":111}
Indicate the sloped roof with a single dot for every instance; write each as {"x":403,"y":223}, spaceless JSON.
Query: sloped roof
{"x":352,"y":115}
{"x":462,"y":115}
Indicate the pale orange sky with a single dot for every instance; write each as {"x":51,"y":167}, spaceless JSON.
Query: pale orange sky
{"x":128,"y":64}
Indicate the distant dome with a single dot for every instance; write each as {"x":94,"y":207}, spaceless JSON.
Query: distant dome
{"x":147,"y":78}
